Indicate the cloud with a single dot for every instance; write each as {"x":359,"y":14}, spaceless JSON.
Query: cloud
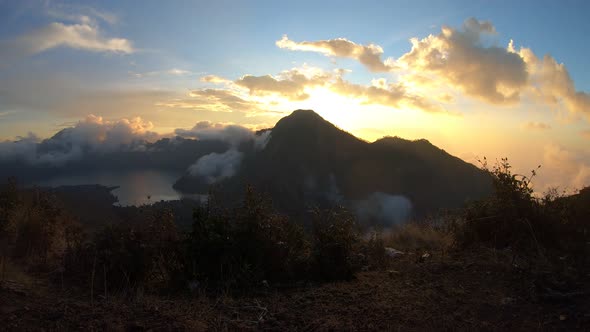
{"x":532,"y":125}
{"x":460,"y":57}
{"x":562,"y":166}
{"x":77,"y":36}
{"x":205,"y":130}
{"x":290,"y":84}
{"x":214,"y":79}
{"x":384,"y":209}
{"x":169,"y":72}
{"x":585,"y":133}
{"x":219,"y":100}
{"x":368,"y":55}
{"x":78,"y":13}
{"x":217,"y":166}
{"x":386,"y":94}
{"x":296,"y":85}
{"x":91,"y":135}
{"x":6,"y":113}
{"x":551,"y":82}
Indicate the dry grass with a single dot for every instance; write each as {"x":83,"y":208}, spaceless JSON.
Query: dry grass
{"x":414,"y":236}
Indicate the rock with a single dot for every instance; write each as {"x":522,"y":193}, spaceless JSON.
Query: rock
{"x":393,"y":253}
{"x":392,"y":273}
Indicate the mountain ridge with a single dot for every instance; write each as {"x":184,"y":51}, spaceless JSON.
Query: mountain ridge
{"x":308,"y":161}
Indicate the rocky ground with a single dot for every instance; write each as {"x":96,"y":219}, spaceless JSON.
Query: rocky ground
{"x":467,"y":291}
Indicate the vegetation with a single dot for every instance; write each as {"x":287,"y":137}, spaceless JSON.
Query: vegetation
{"x":550,"y":228}
{"x":528,"y":246}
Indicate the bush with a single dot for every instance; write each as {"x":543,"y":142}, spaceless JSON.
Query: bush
{"x":246,"y":245}
{"x":336,"y":238}
{"x":124,"y":257}
{"x":551,"y":227}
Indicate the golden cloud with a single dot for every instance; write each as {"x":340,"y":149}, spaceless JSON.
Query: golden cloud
{"x":532,"y":125}
{"x":290,"y":84}
{"x":493,"y":74}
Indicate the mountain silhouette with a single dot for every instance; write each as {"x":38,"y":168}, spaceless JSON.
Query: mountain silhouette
{"x":309,"y":162}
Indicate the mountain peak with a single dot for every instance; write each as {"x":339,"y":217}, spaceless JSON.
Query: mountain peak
{"x":303,"y":117}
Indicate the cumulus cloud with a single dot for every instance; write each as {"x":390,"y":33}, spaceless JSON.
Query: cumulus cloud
{"x":563,"y":166}
{"x":205,"y":130}
{"x":218,"y":100}
{"x":217,"y":166}
{"x":214,"y":79}
{"x":532,"y":125}
{"x":296,"y":84}
{"x":368,"y":55}
{"x":83,"y":36}
{"x":551,"y":82}
{"x":460,"y":57}
{"x":384,"y":209}
{"x":91,"y":135}
{"x":290,"y":84}
{"x":386,"y":94}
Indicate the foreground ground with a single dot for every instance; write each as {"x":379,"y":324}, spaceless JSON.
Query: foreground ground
{"x":468,"y":291}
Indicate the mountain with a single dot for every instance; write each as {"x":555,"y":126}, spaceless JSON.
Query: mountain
{"x":307,"y":161}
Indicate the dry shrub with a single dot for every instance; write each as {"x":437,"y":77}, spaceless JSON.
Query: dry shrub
{"x":418,"y":236}
{"x":34,"y":228}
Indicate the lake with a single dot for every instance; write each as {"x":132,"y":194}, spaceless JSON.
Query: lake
{"x":136,"y":187}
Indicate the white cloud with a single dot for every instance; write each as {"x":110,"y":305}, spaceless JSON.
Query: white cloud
{"x":368,"y":55}
{"x":565,"y":167}
{"x":459,"y":57}
{"x":205,"y":130}
{"x":93,"y":134}
{"x":81,"y":36}
{"x":551,"y":83}
{"x":217,"y":166}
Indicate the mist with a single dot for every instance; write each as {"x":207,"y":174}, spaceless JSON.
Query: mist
{"x":383,"y":209}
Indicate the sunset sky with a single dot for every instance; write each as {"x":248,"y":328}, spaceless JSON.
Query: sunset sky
{"x":476,"y":78}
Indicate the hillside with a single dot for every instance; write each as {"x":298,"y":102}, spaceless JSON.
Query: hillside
{"x":310,"y":162}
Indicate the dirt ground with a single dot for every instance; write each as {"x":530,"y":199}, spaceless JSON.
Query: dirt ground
{"x":484,"y":291}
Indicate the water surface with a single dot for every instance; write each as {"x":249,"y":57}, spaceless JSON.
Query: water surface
{"x":136,"y":187}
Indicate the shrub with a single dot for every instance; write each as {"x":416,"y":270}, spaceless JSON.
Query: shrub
{"x":419,"y":236}
{"x":553,"y":227}
{"x":336,"y":237}
{"x":124,"y":256}
{"x":246,"y":245}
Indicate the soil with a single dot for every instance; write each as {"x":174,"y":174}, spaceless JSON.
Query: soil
{"x":484,"y":291}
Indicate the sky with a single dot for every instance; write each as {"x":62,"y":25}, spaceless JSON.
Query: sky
{"x":475,"y":78}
